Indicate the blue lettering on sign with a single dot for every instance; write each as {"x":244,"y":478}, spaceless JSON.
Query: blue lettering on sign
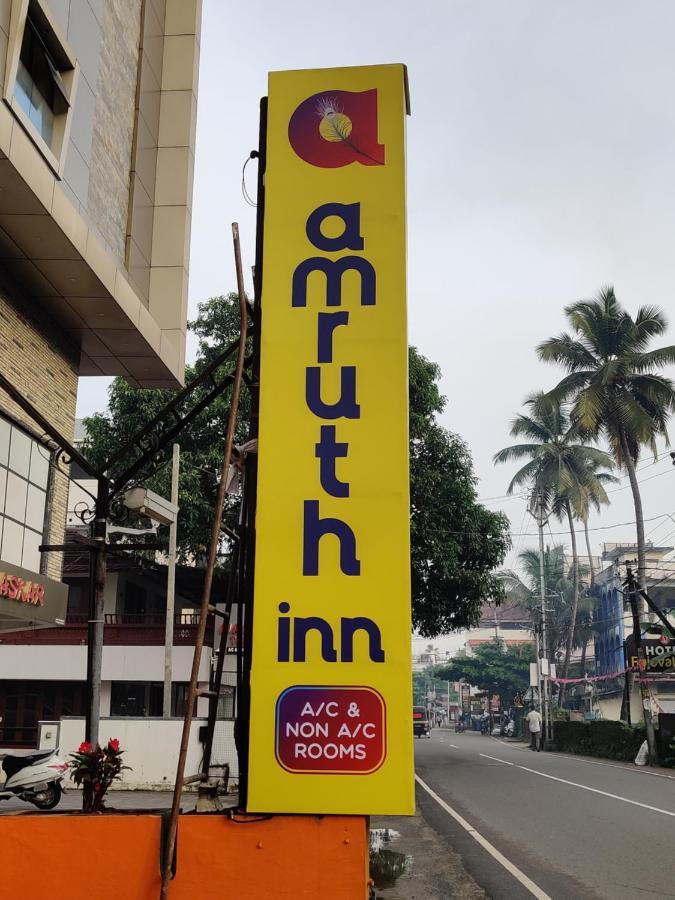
{"x":293,"y":631}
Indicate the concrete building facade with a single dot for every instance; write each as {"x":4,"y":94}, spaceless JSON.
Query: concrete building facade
{"x":97,"y":137}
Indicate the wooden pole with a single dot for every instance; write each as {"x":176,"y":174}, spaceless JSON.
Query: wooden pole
{"x":208,"y":573}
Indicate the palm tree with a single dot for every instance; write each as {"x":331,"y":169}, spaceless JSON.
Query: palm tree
{"x":594,"y":494}
{"x":559,"y":586}
{"x":559,"y":471}
{"x":614,"y":383}
{"x":558,"y":583}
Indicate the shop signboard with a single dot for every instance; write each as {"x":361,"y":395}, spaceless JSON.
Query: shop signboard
{"x":331,"y":660}
{"x":659,"y":654}
{"x":29,"y":599}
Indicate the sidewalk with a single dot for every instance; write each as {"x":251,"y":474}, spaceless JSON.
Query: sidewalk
{"x":410,"y":862}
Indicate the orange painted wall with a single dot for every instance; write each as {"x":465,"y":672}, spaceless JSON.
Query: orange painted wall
{"x":115,"y":857}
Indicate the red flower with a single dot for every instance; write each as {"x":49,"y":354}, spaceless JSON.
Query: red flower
{"x":85,"y":747}
{"x":114,"y":744}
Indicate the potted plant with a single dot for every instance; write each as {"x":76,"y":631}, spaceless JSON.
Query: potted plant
{"x":94,"y":768}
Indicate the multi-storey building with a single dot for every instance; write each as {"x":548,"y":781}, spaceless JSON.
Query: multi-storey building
{"x":614,"y":625}
{"x":97,"y":134}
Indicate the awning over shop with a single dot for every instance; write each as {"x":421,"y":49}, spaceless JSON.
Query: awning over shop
{"x":30,"y":600}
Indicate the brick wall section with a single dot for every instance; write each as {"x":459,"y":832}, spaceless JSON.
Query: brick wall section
{"x":43,"y":366}
{"x":113,"y":134}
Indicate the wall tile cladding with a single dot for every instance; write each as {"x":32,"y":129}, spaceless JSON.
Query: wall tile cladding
{"x":44,"y":367}
{"x":144,"y":167}
{"x":113,"y":123}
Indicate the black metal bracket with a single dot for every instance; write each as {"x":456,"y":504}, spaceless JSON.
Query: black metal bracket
{"x":63,"y":446}
{"x":654,"y":608}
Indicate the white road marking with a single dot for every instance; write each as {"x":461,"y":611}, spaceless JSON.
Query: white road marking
{"x":454,"y":746}
{"x":585,"y":787}
{"x":496,"y":760}
{"x":520,"y":876}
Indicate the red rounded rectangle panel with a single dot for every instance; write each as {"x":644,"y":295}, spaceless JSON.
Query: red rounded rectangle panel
{"x":330,"y":730}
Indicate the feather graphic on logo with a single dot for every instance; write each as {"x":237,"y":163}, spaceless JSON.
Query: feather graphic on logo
{"x":335,"y":125}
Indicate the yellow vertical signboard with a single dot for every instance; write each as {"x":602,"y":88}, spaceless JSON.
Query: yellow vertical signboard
{"x":331,"y":726}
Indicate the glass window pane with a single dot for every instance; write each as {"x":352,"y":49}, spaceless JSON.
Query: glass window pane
{"x":3,"y":485}
{"x":156,"y":698}
{"x":19,"y":452}
{"x":39,"y":465}
{"x":12,"y":542}
{"x":129,"y":698}
{"x":5,"y":428}
{"x":15,"y":498}
{"x":35,"y":508}
{"x":31,"y":554}
{"x":23,"y":87}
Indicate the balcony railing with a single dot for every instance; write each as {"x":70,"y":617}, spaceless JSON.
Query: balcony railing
{"x":121,"y":629}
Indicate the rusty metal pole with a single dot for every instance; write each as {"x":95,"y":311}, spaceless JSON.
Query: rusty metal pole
{"x":210,"y":566}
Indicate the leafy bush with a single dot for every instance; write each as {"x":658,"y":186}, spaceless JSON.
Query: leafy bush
{"x":611,"y":740}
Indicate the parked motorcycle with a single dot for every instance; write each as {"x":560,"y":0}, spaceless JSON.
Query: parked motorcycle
{"x":36,"y":778}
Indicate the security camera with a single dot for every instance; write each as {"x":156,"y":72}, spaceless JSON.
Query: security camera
{"x":147,"y":503}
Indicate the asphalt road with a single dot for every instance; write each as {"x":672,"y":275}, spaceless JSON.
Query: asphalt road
{"x":544,"y":825}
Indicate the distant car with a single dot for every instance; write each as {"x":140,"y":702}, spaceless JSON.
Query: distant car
{"x":421,"y":724}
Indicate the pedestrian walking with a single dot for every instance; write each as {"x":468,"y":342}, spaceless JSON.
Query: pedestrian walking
{"x":534,"y":723}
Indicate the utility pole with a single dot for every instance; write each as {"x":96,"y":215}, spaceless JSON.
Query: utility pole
{"x":540,"y":516}
{"x":97,"y":576}
{"x":171,"y":588}
{"x":633,"y":590}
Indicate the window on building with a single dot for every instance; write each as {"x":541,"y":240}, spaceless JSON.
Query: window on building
{"x":39,"y":87}
{"x":135,"y":602}
{"x":226,"y":702}
{"x":136,"y":698}
{"x":41,"y":80}
{"x":78,"y":601}
{"x":24,"y":484}
{"x":179,"y":692}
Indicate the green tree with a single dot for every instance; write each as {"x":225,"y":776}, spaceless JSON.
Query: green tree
{"x":560,"y":470}
{"x":493,"y":668}
{"x":456,"y":542}
{"x":559,"y":587}
{"x":614,"y":383}
{"x":129,"y":409}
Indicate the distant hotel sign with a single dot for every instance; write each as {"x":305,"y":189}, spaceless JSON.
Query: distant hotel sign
{"x":30,"y":599}
{"x":659,"y":655}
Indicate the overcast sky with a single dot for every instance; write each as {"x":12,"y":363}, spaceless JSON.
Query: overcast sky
{"x":541,"y":165}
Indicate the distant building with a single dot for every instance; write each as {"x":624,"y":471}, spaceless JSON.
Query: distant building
{"x":612,"y":616}
{"x":614,"y":625}
{"x":508,"y":622}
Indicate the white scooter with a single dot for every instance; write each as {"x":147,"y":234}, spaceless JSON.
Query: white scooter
{"x":36,"y":778}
